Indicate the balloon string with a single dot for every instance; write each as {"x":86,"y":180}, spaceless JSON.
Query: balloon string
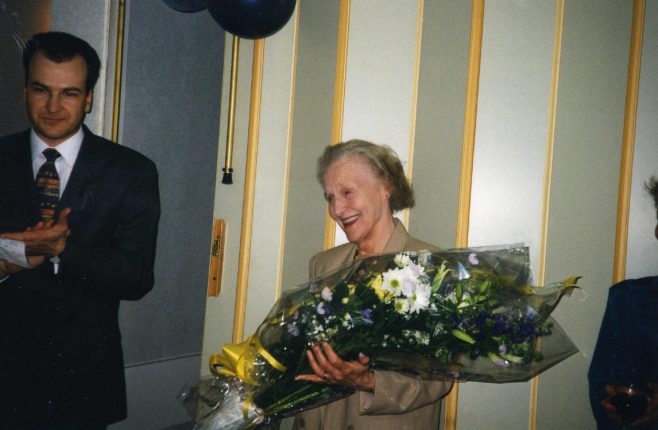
{"x":228,"y":160}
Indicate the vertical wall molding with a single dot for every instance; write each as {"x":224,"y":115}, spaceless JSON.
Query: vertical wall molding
{"x":550,"y":144}
{"x":628,"y":141}
{"x":414,"y":101}
{"x":339,"y":100}
{"x":118,"y":71}
{"x":466,"y":170}
{"x":286,"y":173}
{"x":249,"y":192}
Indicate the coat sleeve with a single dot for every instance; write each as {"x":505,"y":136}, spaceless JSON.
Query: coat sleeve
{"x":119,"y":262}
{"x":396,"y":393}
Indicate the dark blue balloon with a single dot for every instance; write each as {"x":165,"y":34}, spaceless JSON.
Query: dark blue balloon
{"x":251,"y":19}
{"x":187,"y":5}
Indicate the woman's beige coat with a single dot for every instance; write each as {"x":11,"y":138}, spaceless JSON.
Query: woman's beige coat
{"x":399,"y":402}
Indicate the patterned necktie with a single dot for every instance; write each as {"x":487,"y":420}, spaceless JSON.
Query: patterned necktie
{"x":46,"y":185}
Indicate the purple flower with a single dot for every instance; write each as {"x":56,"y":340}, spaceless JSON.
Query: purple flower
{"x":326,"y":294}
{"x":367,"y":314}
{"x":293,"y":329}
{"x":321,"y":309}
{"x":501,"y":362}
{"x":473,"y":259}
{"x":502,"y":349}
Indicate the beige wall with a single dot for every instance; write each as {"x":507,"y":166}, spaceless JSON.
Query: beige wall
{"x":548,"y":137}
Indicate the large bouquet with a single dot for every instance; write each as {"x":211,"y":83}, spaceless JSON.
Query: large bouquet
{"x":464,"y":314}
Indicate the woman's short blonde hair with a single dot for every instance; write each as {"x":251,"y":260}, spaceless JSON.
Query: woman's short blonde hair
{"x":384,"y":162}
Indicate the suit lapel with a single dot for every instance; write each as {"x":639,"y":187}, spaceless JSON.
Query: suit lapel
{"x":80,"y":189}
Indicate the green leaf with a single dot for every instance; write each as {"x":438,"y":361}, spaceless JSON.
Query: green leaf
{"x":462,"y":336}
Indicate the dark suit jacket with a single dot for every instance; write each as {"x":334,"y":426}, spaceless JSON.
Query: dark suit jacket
{"x":627,"y":347}
{"x":400,"y":402}
{"x":60,"y":347}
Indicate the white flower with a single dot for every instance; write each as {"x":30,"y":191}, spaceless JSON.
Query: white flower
{"x":327,"y":294}
{"x":393,"y":280}
{"x":420,"y":337}
{"x":423,"y":258}
{"x":347,"y":321}
{"x":439,"y":329}
{"x":423,"y":338}
{"x":415,"y":270}
{"x":401,"y":306}
{"x":420,"y":299}
{"x":402,"y":260}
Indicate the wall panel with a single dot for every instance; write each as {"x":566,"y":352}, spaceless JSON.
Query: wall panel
{"x":509,"y":165}
{"x":381,"y":76}
{"x":440,"y":120}
{"x":582,"y":215}
{"x":642,"y":245}
{"x":228,"y":204}
{"x":18,"y":21}
{"x":311,"y":132}
{"x":380,"y":72}
{"x":270,"y":176}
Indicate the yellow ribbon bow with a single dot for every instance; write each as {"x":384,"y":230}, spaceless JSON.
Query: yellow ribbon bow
{"x":238,"y":360}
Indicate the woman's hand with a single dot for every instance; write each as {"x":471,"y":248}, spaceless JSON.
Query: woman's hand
{"x":329,"y":368}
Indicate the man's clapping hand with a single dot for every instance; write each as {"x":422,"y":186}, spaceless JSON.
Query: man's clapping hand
{"x":45,"y":239}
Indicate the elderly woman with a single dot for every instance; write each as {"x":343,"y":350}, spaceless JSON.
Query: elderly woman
{"x":364,"y":184}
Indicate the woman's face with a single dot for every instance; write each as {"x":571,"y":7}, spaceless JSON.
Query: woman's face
{"x":358,"y":202}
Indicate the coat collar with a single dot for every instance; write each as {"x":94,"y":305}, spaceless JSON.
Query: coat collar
{"x":396,"y":242}
{"x":398,"y":239}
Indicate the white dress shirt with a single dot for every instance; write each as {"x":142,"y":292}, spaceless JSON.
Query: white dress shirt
{"x":68,"y":151}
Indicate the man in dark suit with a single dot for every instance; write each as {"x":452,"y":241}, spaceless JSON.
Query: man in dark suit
{"x":88,"y":216}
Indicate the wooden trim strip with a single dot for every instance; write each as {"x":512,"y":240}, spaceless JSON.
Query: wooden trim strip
{"x":249,"y":192}
{"x":466,"y":170}
{"x":286,"y":173}
{"x":118,"y":71}
{"x":628,"y":142}
{"x":339,"y":100}
{"x":216,"y":267}
{"x":414,"y":101}
{"x":548,"y":172}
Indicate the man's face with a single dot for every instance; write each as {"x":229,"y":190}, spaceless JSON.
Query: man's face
{"x":56,"y":98}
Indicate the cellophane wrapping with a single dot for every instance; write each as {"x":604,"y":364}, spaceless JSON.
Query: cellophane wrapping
{"x":467,"y":314}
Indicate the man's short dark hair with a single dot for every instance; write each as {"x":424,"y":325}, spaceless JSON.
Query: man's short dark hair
{"x":60,"y":47}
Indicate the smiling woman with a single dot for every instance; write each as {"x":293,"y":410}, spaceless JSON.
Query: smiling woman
{"x":364,"y":184}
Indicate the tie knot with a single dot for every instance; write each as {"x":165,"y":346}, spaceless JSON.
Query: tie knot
{"x":50,"y":154}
